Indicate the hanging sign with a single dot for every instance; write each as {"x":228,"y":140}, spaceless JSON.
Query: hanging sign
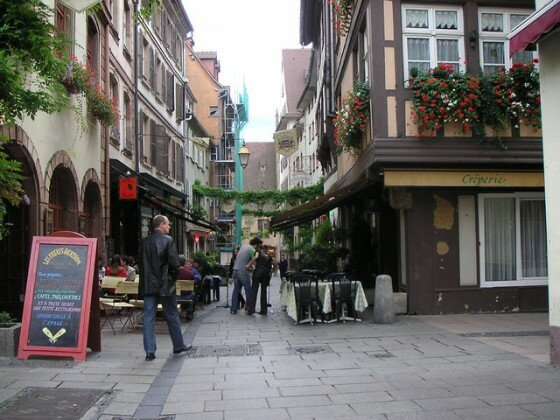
{"x":286,"y":141}
{"x":58,"y":297}
{"x":128,"y":189}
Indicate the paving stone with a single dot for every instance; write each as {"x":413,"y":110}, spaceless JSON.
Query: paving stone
{"x":291,"y":391}
{"x":360,"y":397}
{"x":421,"y":393}
{"x":328,"y":412}
{"x":279,"y":383}
{"x":425,"y":415}
{"x":385,"y":407}
{"x":179,"y":395}
{"x":485,"y":413}
{"x":117,"y":408}
{"x":450,"y":403}
{"x":183,"y":407}
{"x":300,"y":401}
{"x":228,"y":405}
{"x":259,"y":414}
{"x":232,"y":394}
{"x":213,"y":415}
{"x":513,"y":399}
{"x":548,"y":410}
{"x":477,"y":390}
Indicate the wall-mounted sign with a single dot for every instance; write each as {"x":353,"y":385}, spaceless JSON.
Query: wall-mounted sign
{"x":483,"y":179}
{"x":286,"y":141}
{"x":128,"y":189}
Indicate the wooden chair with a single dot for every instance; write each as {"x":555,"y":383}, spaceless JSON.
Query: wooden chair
{"x":115,"y":308}
{"x":186,"y":297}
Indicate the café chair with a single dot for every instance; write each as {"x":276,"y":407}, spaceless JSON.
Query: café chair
{"x":342,"y":300}
{"x":306,"y":290}
{"x":186,"y":298}
{"x":117,"y":307}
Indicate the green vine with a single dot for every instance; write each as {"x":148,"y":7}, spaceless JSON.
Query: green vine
{"x":292,"y":197}
{"x":261,"y":213}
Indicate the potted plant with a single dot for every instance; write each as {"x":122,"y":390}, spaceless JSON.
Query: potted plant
{"x":352,"y":118}
{"x":9,"y":335}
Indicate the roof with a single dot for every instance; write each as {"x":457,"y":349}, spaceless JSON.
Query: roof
{"x":536,"y":26}
{"x":295,"y":65}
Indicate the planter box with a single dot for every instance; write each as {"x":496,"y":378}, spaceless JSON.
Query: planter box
{"x":9,"y":340}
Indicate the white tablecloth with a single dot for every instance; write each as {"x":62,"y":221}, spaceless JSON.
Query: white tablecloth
{"x":288,"y":298}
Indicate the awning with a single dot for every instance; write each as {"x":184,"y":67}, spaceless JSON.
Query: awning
{"x":535,"y":27}
{"x":163,"y":186}
{"x":317,"y":207}
{"x":178,"y":212}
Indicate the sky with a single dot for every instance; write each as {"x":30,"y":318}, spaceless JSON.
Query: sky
{"x":249,"y":36}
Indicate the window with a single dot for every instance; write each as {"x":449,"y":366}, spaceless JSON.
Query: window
{"x":64,"y":24}
{"x":494,"y":47}
{"x":213,"y":111}
{"x":432,"y":35}
{"x":93,"y":49}
{"x":513,"y":239}
{"x":127,"y":27}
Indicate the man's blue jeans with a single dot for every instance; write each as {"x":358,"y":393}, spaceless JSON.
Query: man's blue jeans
{"x":241,"y":279}
{"x":169,"y":304}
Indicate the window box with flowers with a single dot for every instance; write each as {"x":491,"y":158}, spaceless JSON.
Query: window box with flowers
{"x":100,"y":107}
{"x":77,"y":77}
{"x":495,"y":100}
{"x":352,"y":119}
{"x":343,"y":10}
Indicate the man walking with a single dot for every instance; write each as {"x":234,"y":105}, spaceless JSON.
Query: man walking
{"x":158,"y":265}
{"x":242,"y":272}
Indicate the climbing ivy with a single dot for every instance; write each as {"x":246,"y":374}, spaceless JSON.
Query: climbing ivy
{"x":292,"y":197}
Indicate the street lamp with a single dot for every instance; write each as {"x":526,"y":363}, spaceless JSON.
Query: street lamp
{"x":244,"y":154}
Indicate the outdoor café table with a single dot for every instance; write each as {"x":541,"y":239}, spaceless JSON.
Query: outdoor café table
{"x":288,"y":298}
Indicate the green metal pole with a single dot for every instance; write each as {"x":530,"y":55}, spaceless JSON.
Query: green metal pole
{"x":239,"y":188}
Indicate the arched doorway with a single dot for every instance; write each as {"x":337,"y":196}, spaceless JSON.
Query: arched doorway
{"x":63,"y":201}
{"x":90,"y":221}
{"x":15,"y":247}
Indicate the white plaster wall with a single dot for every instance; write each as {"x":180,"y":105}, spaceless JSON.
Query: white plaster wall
{"x":66,"y":131}
{"x":550,"y":86}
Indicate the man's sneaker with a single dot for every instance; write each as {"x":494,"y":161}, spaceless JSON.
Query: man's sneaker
{"x":183,"y":350}
{"x":150,"y":356}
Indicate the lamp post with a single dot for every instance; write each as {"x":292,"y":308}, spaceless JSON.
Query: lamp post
{"x":241,"y":163}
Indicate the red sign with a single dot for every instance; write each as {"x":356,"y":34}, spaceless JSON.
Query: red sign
{"x":128,"y":189}
{"x":58,"y":295}
{"x":196,"y":239}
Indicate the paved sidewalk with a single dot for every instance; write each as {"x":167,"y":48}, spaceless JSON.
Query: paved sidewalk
{"x":449,"y":367}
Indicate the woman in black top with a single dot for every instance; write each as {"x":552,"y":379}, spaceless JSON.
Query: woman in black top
{"x":264,"y":268}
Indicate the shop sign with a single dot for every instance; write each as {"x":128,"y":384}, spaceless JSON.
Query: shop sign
{"x":128,"y":189}
{"x":286,"y":141}
{"x":481,"y":179}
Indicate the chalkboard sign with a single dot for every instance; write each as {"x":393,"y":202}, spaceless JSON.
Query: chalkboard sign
{"x":58,"y":297}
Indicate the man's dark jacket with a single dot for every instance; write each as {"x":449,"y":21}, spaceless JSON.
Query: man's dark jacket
{"x":158,"y":264}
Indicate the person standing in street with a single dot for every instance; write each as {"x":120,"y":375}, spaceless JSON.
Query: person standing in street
{"x":242,"y":269}
{"x":264,"y":267}
{"x":158,"y":264}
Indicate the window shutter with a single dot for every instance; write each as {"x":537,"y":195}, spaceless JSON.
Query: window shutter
{"x":152,"y":69}
{"x":140,"y":150}
{"x":181,"y":176}
{"x":173,"y":160}
{"x":179,"y":102}
{"x":160,"y":147}
{"x":140,"y":54}
{"x":165,"y":156}
{"x":153,"y":143}
{"x":170,"y":98}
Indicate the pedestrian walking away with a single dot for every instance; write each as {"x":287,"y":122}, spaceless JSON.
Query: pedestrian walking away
{"x":242,"y":269}
{"x":159,"y":264}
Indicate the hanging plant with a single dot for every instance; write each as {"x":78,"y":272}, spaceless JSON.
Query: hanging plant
{"x":77,"y":77}
{"x":343,"y":14}
{"x":101,"y":108}
{"x":352,"y":118}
